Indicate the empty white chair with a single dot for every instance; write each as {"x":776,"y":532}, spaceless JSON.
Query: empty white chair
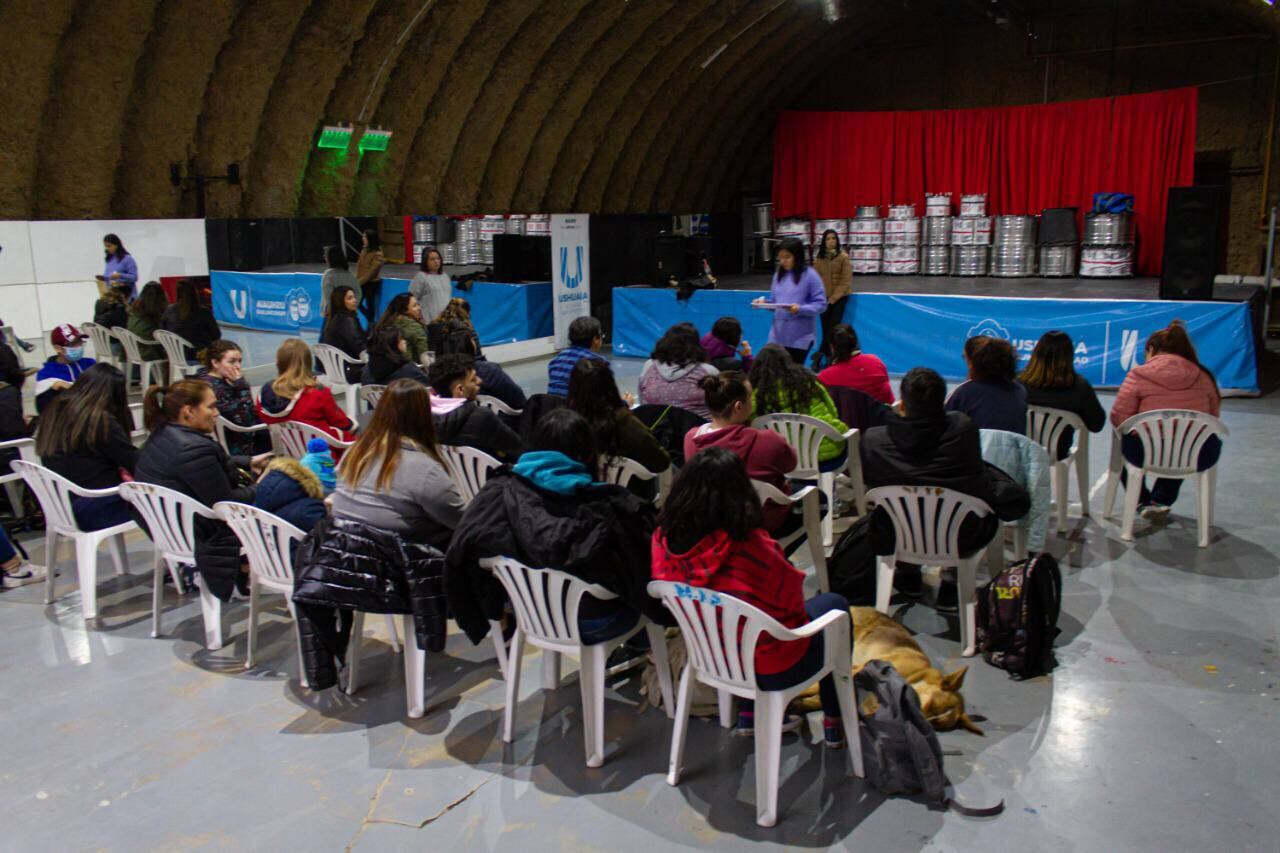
{"x":170,"y":518}
{"x":1115,"y":464}
{"x":55,"y":493}
{"x":1171,"y":443}
{"x":102,"y":338}
{"x":805,"y":435}
{"x":222,"y":426}
{"x":333,"y":363}
{"x":289,"y":438}
{"x":926,"y":524}
{"x":371,"y":394}
{"x":1045,"y":427}
{"x":133,"y":345}
{"x":546,"y":605}
{"x":721,"y":633}
{"x":496,"y":406}
{"x":812,"y":529}
{"x":469,"y":468}
{"x":12,"y":482}
{"x":175,"y":348}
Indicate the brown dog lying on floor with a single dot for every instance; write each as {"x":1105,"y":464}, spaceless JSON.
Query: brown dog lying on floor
{"x":877,"y":637}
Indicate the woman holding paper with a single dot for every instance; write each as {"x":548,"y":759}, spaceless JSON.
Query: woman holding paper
{"x":800,"y":298}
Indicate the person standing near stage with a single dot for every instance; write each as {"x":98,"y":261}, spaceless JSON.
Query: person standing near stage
{"x":798,"y":286}
{"x":432,"y":286}
{"x":121,"y":271}
{"x":833,"y":265}
{"x":336,"y":274}
{"x":369,"y":275}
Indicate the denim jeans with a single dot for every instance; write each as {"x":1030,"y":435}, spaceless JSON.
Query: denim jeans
{"x":7,"y":551}
{"x":803,"y":669}
{"x":1164,"y":491}
{"x":100,"y":513}
{"x":606,"y":626}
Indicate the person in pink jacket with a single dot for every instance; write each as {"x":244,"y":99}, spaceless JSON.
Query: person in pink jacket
{"x":1171,"y":378}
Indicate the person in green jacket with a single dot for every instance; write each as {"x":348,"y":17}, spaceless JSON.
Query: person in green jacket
{"x":144,"y":319}
{"x":406,"y":315}
{"x":784,"y":387}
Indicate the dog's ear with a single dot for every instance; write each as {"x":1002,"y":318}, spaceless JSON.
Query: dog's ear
{"x":955,"y":680}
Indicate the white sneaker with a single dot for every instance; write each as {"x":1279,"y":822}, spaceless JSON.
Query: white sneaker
{"x":1155,"y":512}
{"x":26,"y":573}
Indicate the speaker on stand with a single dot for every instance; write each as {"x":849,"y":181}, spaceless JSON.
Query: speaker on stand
{"x":1192,"y":233}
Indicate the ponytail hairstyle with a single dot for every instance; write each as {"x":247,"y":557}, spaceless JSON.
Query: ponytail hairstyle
{"x":844,"y":342}
{"x":723,"y":390}
{"x":1174,"y":340}
{"x":161,"y":406}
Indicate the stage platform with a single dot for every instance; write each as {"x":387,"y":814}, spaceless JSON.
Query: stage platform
{"x":924,"y":320}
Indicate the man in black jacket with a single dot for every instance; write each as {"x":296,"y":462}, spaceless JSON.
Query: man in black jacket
{"x":461,"y":421}
{"x":928,"y":446}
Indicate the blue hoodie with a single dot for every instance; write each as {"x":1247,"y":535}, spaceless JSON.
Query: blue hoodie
{"x":552,"y":471}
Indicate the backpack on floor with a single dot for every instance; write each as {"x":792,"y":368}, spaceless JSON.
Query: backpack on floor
{"x":1018,"y":617}
{"x":851,"y":567}
{"x":900,"y":750}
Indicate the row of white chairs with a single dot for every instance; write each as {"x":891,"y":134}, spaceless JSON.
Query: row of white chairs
{"x":175,"y":349}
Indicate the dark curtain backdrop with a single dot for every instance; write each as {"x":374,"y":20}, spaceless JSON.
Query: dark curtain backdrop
{"x":1025,"y":159}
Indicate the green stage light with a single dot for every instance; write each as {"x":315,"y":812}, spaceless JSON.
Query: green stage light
{"x":375,"y":140}
{"x":334,"y":136}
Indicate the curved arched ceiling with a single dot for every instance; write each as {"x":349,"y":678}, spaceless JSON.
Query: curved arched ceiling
{"x":496,"y":105}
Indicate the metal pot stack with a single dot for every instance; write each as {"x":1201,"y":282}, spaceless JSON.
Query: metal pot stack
{"x":935,"y":254}
{"x":1014,"y":254}
{"x":971,"y":237}
{"x":424,"y":235}
{"x":902,"y":240}
{"x":866,"y":241}
{"x":762,"y":230}
{"x":1108,"y":246}
{"x":1059,"y":242}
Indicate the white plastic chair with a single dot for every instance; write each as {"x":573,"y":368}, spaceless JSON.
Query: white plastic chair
{"x":1171,"y":443}
{"x":102,"y":338}
{"x":546,"y":605}
{"x":133,"y":356}
{"x":469,"y":468}
{"x":55,"y":493}
{"x":170,"y":518}
{"x":333,"y":362}
{"x":926,"y":524}
{"x":268,"y":541}
{"x":496,"y":406}
{"x":812,"y":529}
{"x":371,"y":394}
{"x":289,"y":438}
{"x":175,"y":348}
{"x":415,"y":660}
{"x":721,"y":633}
{"x":1045,"y":427}
{"x":12,"y":482}
{"x":222,"y":425}
{"x":805,"y":435}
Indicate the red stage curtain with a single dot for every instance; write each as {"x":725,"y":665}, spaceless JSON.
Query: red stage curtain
{"x":1025,"y":159}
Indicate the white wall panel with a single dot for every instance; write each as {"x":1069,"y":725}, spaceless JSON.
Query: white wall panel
{"x":66,"y":302}
{"x":16,"y":265}
{"x":72,"y":250}
{"x":20,"y":308}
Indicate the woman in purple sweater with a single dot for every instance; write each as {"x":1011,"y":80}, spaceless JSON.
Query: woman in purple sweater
{"x":121,"y":271}
{"x":798,"y":286}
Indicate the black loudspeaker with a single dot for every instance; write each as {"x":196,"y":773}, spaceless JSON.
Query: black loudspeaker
{"x":1058,"y":225}
{"x":668,"y":259}
{"x":1192,"y":231}
{"x":519,"y":257}
{"x":244,"y":244}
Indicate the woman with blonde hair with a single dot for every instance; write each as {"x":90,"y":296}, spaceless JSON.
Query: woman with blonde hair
{"x":296,"y":395}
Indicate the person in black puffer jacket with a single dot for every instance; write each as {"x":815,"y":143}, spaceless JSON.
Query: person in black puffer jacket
{"x":342,"y":329}
{"x":182,"y":455}
{"x":460,"y":420}
{"x":388,"y":361}
{"x":292,"y":493}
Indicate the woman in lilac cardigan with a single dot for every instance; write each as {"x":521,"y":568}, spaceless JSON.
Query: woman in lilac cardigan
{"x":671,"y":375}
{"x":798,"y":286}
{"x":121,"y":271}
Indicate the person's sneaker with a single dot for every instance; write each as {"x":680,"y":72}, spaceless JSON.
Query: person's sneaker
{"x":833,"y":733}
{"x":1154,"y":512}
{"x":948,"y":601}
{"x":26,"y":573}
{"x":746,"y":726}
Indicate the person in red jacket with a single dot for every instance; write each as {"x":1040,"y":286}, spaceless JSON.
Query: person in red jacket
{"x":296,"y":395}
{"x":1171,"y":378}
{"x":766,"y":454}
{"x":710,"y":534}
{"x":853,"y":368}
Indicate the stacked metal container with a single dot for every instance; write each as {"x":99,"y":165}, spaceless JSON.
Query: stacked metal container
{"x":935,"y":254}
{"x":515,"y":224}
{"x":800,"y":229}
{"x":822,"y":226}
{"x":424,"y":235}
{"x":866,"y":241}
{"x":1014,"y":255}
{"x":971,"y":237}
{"x":902,"y":240}
{"x":467,"y":246}
{"x":539,"y":225}
{"x":1108,"y":246}
{"x":762,"y":229}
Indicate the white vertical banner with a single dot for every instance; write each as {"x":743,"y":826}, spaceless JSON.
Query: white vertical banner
{"x":570,"y":271}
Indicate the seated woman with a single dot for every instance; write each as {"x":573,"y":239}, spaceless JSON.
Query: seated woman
{"x":84,"y":436}
{"x":711,"y":534}
{"x":189,"y":319}
{"x":1051,"y":380}
{"x":342,"y":329}
{"x":593,"y":393}
{"x":182,"y":455}
{"x":458,"y":336}
{"x":145,"y":315}
{"x":852,"y":368}
{"x":782,"y":385}
{"x":296,"y":395}
{"x":389,"y":359}
{"x":223,"y":371}
{"x":990,"y":396}
{"x":404,"y":313}
{"x":551,"y":511}
{"x":725,"y":347}
{"x":1172,"y":377}
{"x":109,"y":312}
{"x":675,"y":367}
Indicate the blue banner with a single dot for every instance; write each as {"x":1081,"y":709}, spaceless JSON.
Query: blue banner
{"x":909,"y":330}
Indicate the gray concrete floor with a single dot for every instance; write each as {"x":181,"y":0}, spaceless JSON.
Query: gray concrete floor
{"x":1157,"y":732}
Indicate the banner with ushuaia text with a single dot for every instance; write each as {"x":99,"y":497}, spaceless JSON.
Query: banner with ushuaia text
{"x":570,"y":271}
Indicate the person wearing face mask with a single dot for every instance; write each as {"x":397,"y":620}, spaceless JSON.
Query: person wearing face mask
{"x":223,"y":370}
{"x":62,"y":368}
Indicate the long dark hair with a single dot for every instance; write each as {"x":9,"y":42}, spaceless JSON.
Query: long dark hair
{"x":712,"y":492}
{"x":80,"y":418}
{"x":398,"y":305}
{"x":335,"y":258}
{"x":375,"y":242}
{"x":822,"y":247}
{"x":593,"y":393}
{"x":428,"y":252}
{"x":795,"y":248}
{"x":337,"y":300}
{"x":780,"y":384}
{"x":844,"y":342}
{"x":1052,"y":363}
{"x":403,"y":414}
{"x":120,"y":251}
{"x":187,"y":300}
{"x":150,"y":303}
{"x":565,"y":431}
{"x":680,"y":346}
{"x":384,"y":353}
{"x":990,"y":359}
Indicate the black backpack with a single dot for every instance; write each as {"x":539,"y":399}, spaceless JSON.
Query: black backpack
{"x":1018,"y":617}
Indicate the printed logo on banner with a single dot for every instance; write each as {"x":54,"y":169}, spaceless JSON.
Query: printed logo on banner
{"x":570,"y":281}
{"x":299,"y":305}
{"x":239,"y":303}
{"x":1022,"y":347}
{"x":1129,"y":349}
{"x":988,"y":328}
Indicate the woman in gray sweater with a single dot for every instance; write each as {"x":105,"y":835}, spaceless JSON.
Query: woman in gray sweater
{"x":431,"y":286}
{"x":337,"y":275}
